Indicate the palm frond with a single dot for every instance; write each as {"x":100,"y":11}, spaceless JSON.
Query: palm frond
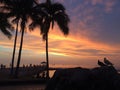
{"x":6,"y":32}
{"x":56,"y":7}
{"x":5,"y":26}
{"x":15,"y":20}
{"x":36,"y":21}
{"x":62,"y":20}
{"x":45,"y":26}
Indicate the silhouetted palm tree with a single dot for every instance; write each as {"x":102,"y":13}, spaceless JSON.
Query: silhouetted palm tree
{"x":48,"y":14}
{"x":20,"y":11}
{"x":5,"y":26}
{"x":11,"y":6}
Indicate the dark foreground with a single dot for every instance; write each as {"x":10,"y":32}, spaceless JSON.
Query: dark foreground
{"x":13,"y":82}
{"x":24,"y":87}
{"x":104,"y":77}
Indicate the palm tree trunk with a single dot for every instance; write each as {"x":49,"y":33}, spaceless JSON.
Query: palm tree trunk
{"x":19,"y":55}
{"x":13,"y":55}
{"x":47,"y":59}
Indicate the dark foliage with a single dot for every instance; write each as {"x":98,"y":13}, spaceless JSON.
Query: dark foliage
{"x":5,"y":26}
{"x":45,"y":15}
{"x":19,"y":11}
{"x":48,"y":13}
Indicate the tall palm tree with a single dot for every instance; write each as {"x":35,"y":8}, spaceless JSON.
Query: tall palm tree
{"x":5,"y":2}
{"x":11,"y":6}
{"x":14,"y":49}
{"x":48,"y":13}
{"x":26,"y":11}
{"x":5,"y":26}
{"x":20,"y":11}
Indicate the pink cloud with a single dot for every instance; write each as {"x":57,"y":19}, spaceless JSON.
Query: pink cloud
{"x":109,"y":6}
{"x":94,"y":2}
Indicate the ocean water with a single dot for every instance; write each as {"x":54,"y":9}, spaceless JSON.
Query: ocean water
{"x":23,"y":87}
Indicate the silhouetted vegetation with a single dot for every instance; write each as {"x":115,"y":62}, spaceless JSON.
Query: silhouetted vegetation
{"x":19,"y":11}
{"x":5,"y":26}
{"x":41,"y":14}
{"x":26,"y":71}
{"x":47,"y":14}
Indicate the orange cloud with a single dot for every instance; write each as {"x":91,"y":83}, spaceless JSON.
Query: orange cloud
{"x":59,"y":45}
{"x":62,"y":49}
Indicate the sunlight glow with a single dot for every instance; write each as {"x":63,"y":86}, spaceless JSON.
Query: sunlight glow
{"x":58,"y":54}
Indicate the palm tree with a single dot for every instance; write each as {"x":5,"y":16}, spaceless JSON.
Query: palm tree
{"x":5,"y":26}
{"x":20,"y":11}
{"x":14,"y":49}
{"x":11,"y":6}
{"x":26,"y":11}
{"x":48,"y":13}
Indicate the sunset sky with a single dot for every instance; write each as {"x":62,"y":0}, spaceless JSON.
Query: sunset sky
{"x":94,"y":34}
